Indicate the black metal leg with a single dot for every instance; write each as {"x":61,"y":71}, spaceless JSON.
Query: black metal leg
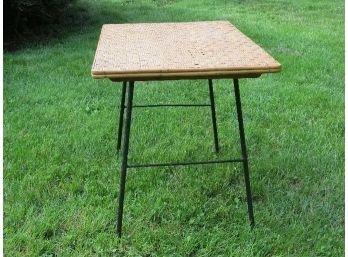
{"x":120,"y":123}
{"x":244,"y":152}
{"x":125,"y":157}
{"x":213,"y":115}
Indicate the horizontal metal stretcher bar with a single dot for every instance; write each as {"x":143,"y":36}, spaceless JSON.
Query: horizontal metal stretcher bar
{"x":169,"y":105}
{"x":181,"y":163}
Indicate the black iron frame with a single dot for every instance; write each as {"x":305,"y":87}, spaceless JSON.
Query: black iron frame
{"x":126,"y":166}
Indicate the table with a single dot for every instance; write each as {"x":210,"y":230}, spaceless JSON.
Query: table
{"x":175,"y":51}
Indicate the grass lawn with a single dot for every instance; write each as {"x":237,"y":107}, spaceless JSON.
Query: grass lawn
{"x":61,"y":173}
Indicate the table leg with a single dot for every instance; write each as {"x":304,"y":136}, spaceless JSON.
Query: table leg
{"x":120,"y":123}
{"x":213,"y":115}
{"x":125,"y":157}
{"x":244,"y":152}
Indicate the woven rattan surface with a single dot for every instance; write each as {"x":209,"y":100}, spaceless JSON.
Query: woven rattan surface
{"x":178,"y":50}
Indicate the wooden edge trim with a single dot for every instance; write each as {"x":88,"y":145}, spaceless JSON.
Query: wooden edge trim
{"x":183,"y":75}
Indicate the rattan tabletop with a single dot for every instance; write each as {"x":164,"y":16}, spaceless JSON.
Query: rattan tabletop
{"x":152,"y":51}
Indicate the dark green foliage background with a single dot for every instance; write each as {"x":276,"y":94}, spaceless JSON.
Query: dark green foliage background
{"x":22,"y":18}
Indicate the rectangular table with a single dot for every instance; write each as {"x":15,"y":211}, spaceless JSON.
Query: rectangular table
{"x":174,"y":51}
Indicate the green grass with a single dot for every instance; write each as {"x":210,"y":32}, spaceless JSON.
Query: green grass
{"x":60,"y":167}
